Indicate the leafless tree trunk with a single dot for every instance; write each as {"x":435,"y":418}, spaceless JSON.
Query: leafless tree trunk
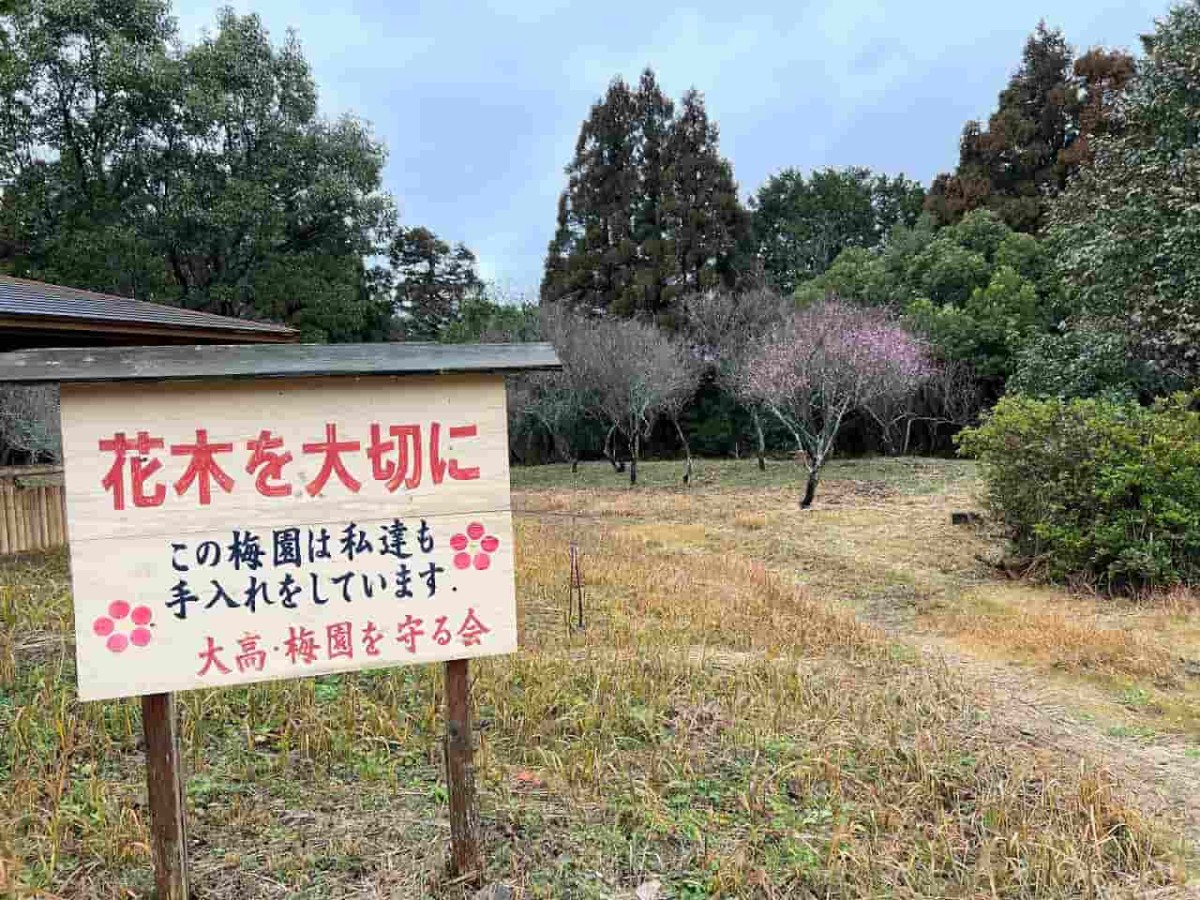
{"x":810,"y":488}
{"x":687,"y":450}
{"x":633,"y":373}
{"x":726,"y":329}
{"x":762,"y":441}
{"x":609,"y":451}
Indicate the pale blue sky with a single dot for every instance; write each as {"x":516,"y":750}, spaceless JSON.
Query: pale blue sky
{"x":479,"y":104}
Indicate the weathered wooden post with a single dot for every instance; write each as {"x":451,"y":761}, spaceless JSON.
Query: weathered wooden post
{"x":245,"y":513}
{"x":164,"y":782}
{"x":460,"y":771}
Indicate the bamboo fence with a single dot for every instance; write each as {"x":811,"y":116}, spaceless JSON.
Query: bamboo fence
{"x":32,"y":511}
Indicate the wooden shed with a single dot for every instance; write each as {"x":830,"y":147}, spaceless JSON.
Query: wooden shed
{"x":33,"y":315}
{"x":36,"y":314}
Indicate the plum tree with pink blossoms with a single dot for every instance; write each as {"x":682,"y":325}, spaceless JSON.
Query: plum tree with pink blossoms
{"x":826,"y":361}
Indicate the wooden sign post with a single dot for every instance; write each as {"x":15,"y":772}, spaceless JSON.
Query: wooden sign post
{"x":460,"y":770}
{"x":165,"y":792}
{"x":244,"y":514}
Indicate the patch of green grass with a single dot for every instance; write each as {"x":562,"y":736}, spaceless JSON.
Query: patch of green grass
{"x":1138,"y":732}
{"x":1134,"y":696}
{"x":910,"y":475}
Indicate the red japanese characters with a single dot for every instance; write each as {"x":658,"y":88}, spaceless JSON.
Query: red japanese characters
{"x":303,"y":646}
{"x":140,"y":469}
{"x":233,"y":531}
{"x":394,"y":455}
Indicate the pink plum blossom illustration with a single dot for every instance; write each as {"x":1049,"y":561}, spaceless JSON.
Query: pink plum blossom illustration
{"x":474,"y":548}
{"x":124,"y":626}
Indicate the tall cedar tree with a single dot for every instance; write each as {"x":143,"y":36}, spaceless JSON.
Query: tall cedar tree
{"x":590,"y":261}
{"x":1028,"y":149}
{"x":651,"y":232}
{"x":434,"y":280}
{"x":650,"y":211}
{"x":708,"y":223}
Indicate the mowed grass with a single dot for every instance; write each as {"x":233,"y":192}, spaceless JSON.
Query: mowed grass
{"x":881,"y":542}
{"x":729,"y":724}
{"x":909,"y":474}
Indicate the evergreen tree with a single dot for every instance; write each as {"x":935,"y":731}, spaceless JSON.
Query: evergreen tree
{"x":802,"y":224}
{"x":650,"y":210}
{"x":84,"y":90}
{"x":1103,"y":76}
{"x":201,"y":176}
{"x":433,"y":282}
{"x":976,"y":290}
{"x":1037,"y":136}
{"x":704,"y":214}
{"x":1125,"y":232}
{"x":651,"y":230}
{"x":590,"y":261}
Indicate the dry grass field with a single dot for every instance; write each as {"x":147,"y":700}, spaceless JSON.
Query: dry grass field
{"x":847,"y":702}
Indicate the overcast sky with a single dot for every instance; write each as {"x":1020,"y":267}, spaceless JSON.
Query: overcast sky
{"x":480,"y":105}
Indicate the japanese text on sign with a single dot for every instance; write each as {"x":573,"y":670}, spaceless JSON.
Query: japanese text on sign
{"x":395,"y":456}
{"x":235,"y":532}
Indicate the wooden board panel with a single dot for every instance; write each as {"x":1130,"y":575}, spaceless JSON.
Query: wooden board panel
{"x":225,"y":533}
{"x":10,"y":518}
{"x":258,"y":361}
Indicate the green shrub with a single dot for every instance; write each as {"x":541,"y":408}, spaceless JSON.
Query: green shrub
{"x":1086,"y":360}
{"x":1098,"y":489}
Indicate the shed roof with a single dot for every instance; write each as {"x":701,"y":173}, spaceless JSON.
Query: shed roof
{"x":34,"y":313}
{"x":264,"y":361}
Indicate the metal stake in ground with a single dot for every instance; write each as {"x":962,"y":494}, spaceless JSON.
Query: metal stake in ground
{"x":575,"y":591}
{"x":460,"y":772}
{"x":168,"y":826}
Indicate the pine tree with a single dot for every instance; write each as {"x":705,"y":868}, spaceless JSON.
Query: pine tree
{"x":433,"y":280}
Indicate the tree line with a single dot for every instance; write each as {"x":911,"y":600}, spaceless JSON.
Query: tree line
{"x":204,"y":176}
{"x":806,"y":369}
{"x":1056,"y":259}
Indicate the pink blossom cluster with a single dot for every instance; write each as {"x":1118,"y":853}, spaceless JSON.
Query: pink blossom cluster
{"x":834,"y":353}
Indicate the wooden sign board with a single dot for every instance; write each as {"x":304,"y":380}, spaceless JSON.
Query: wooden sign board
{"x":244,"y":513}
{"x":228,"y":532}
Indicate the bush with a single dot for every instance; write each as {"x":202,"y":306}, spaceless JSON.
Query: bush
{"x":1081,"y":362}
{"x":1102,"y":490}
{"x":29,"y":424}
